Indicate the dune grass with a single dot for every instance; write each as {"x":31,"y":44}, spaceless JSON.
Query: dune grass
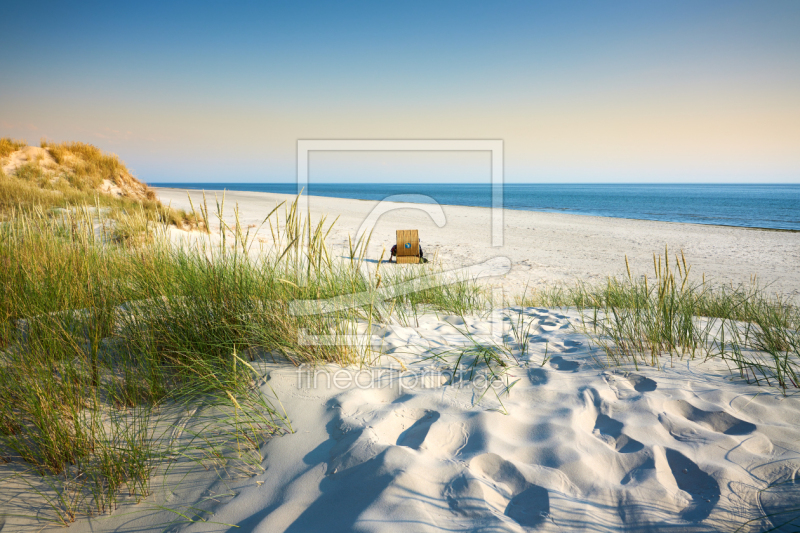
{"x":104,"y":339}
{"x":76,"y":179}
{"x":90,"y":369}
{"x":642,"y":319}
{"x":86,"y":166}
{"x":108,"y":342}
{"x":9,"y":145}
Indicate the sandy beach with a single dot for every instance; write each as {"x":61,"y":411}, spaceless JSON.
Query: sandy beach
{"x":177,"y":356}
{"x":515,"y":420}
{"x":561,"y":443}
{"x":572,"y":446}
{"x":572,"y":443}
{"x":546,"y":247}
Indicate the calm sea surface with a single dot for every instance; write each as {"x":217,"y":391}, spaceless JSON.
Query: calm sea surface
{"x":754,"y":206}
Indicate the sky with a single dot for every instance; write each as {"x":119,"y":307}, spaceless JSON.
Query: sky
{"x":607,"y":91}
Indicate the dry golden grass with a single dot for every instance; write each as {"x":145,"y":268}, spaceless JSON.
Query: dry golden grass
{"x":8,"y":145}
{"x":75,"y":173}
{"x":16,"y":192}
{"x":86,"y":168}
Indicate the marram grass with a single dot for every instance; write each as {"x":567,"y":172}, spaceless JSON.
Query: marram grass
{"x":75,"y":176}
{"x":643,"y":319}
{"x":105,"y":338}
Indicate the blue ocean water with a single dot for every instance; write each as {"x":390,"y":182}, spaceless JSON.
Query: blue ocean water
{"x":774,"y":206}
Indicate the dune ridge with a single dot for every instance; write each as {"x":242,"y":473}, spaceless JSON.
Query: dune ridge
{"x":71,"y":164}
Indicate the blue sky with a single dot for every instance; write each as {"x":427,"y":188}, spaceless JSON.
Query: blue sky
{"x":578,"y":91}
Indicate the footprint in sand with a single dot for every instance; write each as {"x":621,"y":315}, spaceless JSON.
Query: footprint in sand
{"x":603,"y":426}
{"x":610,"y":431}
{"x":403,"y":426}
{"x":547,"y":325}
{"x":571,"y":346}
{"x":703,"y":489}
{"x":693,"y":493}
{"x":498,"y":487}
{"x":464,"y":495}
{"x":641,"y":383}
{"x":538,"y":376}
{"x":718,"y":421}
{"x":360,"y":438}
{"x":564,"y":365}
{"x":351,"y":445}
{"x":361,"y":435}
{"x":627,"y":385}
{"x":414,"y":436}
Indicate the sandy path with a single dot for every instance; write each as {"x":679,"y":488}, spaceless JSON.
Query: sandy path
{"x":560,"y":443}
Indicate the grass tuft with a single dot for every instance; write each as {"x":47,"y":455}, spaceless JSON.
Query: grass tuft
{"x":9,"y":146}
{"x":641,"y":319}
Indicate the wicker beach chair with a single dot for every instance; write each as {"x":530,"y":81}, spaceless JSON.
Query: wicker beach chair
{"x":407,"y":246}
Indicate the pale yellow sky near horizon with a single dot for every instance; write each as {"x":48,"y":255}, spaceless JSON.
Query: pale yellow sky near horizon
{"x":611,"y":138}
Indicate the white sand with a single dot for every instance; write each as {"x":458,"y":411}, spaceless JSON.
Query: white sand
{"x":559,"y":444}
{"x":572,"y":446}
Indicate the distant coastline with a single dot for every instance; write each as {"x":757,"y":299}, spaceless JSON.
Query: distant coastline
{"x":754,"y":206}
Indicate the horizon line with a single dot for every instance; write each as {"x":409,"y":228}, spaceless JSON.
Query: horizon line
{"x":475,"y":183}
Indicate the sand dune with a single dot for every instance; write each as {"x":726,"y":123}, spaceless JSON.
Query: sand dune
{"x":571,"y":446}
{"x":427,"y":437}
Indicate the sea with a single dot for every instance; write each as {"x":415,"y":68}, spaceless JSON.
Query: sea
{"x":768,"y":206}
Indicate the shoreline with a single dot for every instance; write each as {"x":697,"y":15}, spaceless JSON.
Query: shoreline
{"x":524,"y":209}
{"x":548,"y":248}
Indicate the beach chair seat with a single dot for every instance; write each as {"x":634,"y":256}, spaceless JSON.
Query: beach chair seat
{"x":407,"y":246}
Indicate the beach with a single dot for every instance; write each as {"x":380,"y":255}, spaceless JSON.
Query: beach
{"x":563,"y":440}
{"x":545,"y":248}
{"x":572,"y":446}
{"x":517,"y":418}
{"x":410,"y":267}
